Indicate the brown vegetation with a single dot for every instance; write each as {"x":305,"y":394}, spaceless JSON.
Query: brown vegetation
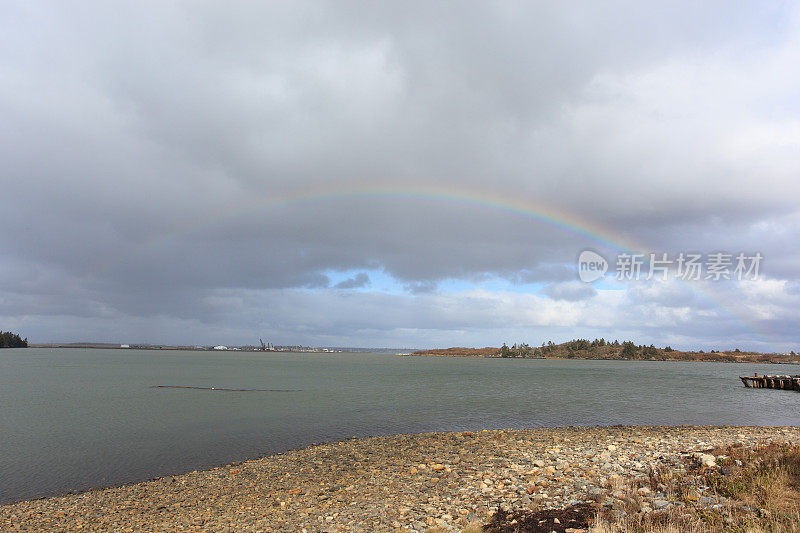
{"x":760,"y":488}
{"x":461,"y":352}
{"x":574,"y":517}
{"x":602,"y":349}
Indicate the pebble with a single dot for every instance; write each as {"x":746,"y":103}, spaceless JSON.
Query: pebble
{"x":400,"y":482}
{"x":660,"y":504}
{"x":705,"y":460}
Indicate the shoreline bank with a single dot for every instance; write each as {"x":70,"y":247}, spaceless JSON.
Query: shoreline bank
{"x":601,"y":350}
{"x":390,"y":483}
{"x":610,"y":359}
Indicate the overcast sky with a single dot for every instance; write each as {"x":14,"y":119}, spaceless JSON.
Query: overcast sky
{"x":411,"y":174}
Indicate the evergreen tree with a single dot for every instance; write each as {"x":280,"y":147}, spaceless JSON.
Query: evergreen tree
{"x":505,"y":351}
{"x":12,"y":340}
{"x":628,"y":350}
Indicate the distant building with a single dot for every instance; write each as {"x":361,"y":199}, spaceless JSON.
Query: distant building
{"x":220,"y":347}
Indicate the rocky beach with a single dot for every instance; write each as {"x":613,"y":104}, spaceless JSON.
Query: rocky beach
{"x":404,"y":482}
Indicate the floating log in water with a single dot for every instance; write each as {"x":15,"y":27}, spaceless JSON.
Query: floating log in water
{"x":222,"y":389}
{"x":772,"y":382}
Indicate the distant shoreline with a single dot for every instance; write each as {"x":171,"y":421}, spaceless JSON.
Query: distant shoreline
{"x":277,"y":349}
{"x":795,"y":362}
{"x":559,"y":351}
{"x":486,"y":353}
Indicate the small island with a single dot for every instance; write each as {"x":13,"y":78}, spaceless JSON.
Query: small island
{"x":610,"y":350}
{"x":12,"y":340}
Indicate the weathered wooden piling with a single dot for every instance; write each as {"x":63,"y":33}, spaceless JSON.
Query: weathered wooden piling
{"x":772,"y":382}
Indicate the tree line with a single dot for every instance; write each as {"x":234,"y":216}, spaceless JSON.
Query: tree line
{"x":577,"y":347}
{"x":12,"y":340}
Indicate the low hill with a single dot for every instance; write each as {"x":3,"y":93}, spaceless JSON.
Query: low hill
{"x":461,"y":352}
{"x":610,"y":350}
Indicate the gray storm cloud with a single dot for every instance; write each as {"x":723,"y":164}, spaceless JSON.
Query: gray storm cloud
{"x":158,"y":156}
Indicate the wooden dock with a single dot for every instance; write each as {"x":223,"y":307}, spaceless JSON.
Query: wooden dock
{"x":772,"y":382}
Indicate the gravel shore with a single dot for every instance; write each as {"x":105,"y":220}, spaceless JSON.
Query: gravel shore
{"x":393,"y":483}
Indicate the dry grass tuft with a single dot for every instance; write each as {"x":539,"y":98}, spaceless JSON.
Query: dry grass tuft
{"x":750,"y":490}
{"x":761,"y":486}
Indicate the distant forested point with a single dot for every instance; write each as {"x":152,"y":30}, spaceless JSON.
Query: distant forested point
{"x":608,"y":349}
{"x":12,"y":340}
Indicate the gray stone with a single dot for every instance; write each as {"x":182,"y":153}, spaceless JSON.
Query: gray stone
{"x":705,"y":460}
{"x":660,"y":504}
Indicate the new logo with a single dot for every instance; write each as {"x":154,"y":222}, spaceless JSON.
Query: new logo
{"x":591,"y":266}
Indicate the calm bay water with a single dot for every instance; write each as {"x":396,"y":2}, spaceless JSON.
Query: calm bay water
{"x":71,"y":419}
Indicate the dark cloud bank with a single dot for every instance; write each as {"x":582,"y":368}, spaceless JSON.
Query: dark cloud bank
{"x":194,"y":173}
